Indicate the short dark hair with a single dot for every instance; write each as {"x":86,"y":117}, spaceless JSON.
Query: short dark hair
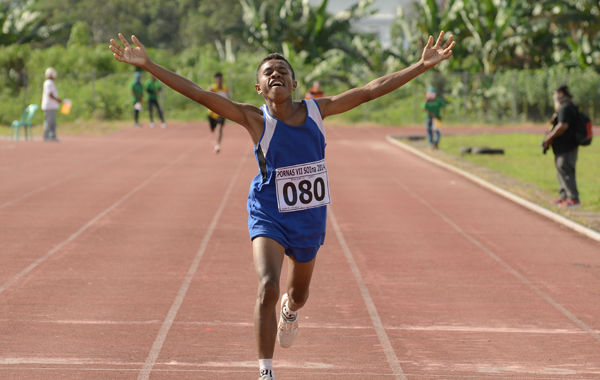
{"x":278,"y":57}
{"x":219,"y":75}
{"x":564,"y":89}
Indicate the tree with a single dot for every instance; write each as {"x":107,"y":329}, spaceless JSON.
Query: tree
{"x":155,"y":21}
{"x":311,"y":36}
{"x":209,"y":22}
{"x":20,"y":23}
{"x":303,"y":28}
{"x":414,"y":24}
{"x":488,"y":31}
{"x":80,"y":34}
{"x":575,"y":31}
{"x":500,"y":34}
{"x":493,"y":34}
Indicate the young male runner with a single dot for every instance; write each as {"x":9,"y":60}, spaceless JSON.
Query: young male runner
{"x":286,"y":203}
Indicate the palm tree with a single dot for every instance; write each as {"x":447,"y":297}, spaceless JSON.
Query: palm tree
{"x":312,"y":36}
{"x":492,"y":30}
{"x":300,"y":27}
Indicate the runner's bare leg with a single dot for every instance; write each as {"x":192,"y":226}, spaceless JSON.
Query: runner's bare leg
{"x":268,"y":259}
{"x":298,"y":282}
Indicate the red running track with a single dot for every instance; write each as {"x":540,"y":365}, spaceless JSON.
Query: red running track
{"x":127,"y":257}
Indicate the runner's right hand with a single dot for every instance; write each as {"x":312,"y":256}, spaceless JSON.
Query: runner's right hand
{"x":129,"y":54}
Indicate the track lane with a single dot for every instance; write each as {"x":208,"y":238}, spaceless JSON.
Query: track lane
{"x":429,"y":282}
{"x":113,"y":281}
{"x":36,"y":166}
{"x":448,"y":308}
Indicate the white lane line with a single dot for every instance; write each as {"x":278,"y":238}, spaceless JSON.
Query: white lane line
{"x":506,"y":194}
{"x":85,"y":170}
{"x":316,"y":369}
{"x":483,"y":372}
{"x":86,"y":226}
{"x":170,"y":318}
{"x":390,"y":354}
{"x":7,"y":361}
{"x":320,"y":326}
{"x":524,"y":280}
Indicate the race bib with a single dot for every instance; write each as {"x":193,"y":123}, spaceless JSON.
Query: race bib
{"x":301,"y":187}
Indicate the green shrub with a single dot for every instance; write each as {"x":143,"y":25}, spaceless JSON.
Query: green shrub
{"x":99,"y":86}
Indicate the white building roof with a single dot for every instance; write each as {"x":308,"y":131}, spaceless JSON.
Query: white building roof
{"x":379,"y":23}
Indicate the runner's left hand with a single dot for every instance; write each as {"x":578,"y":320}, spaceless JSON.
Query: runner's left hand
{"x":434,"y":54}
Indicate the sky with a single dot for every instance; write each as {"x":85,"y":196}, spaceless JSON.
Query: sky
{"x":379,"y":23}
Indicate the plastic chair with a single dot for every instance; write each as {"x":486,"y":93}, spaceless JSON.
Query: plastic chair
{"x":25,"y":122}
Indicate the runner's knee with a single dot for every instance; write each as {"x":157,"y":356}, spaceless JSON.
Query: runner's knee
{"x":268,"y":292}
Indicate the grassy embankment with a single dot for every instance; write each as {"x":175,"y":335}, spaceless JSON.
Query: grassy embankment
{"x":524,"y":170}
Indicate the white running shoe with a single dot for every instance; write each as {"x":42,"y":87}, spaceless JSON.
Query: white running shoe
{"x":152,"y":125}
{"x":286,"y":329}
{"x":217,"y":148}
{"x":266,"y":375}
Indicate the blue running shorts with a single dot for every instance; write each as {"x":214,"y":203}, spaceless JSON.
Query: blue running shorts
{"x":302,"y":254}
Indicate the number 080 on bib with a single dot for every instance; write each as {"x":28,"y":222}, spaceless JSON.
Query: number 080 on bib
{"x":301,"y":187}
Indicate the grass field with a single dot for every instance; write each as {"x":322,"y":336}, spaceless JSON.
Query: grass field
{"x":523,"y":160}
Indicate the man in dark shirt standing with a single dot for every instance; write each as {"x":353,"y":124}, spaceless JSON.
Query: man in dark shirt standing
{"x":565,"y":147}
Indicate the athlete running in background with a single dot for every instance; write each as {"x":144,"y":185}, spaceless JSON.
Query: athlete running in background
{"x":215,"y":120}
{"x":288,"y":197}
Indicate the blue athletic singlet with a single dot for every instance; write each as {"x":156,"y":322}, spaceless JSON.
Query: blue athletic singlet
{"x":287,"y":199}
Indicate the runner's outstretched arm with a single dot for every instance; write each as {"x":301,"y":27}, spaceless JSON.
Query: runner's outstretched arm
{"x":242,"y":114}
{"x":432,"y":55}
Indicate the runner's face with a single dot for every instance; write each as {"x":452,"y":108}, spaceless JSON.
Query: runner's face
{"x":275,"y":80}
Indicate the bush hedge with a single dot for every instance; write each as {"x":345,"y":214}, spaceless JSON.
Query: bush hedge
{"x":99,"y":87}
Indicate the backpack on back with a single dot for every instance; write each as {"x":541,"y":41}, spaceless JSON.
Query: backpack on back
{"x":583,"y":131}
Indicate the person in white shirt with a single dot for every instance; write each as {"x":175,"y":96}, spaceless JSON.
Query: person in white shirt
{"x":50,"y":104}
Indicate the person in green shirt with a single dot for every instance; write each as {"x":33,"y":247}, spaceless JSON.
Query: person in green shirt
{"x":433,"y":106}
{"x":153,"y":88}
{"x":137,"y":95}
